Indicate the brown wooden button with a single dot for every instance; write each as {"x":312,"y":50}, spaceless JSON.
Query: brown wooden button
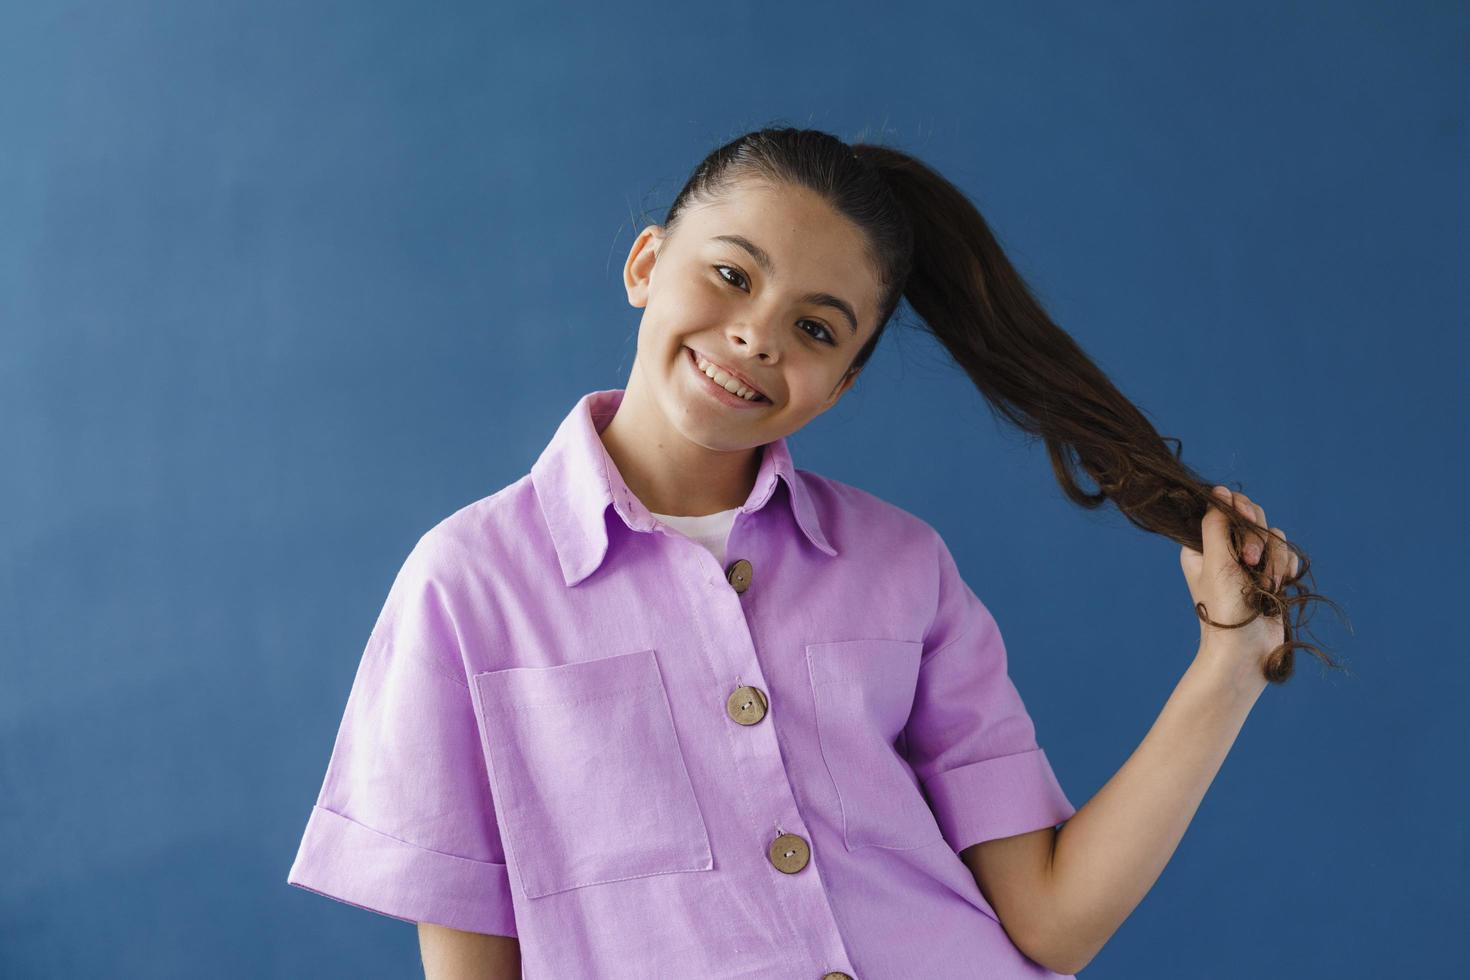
{"x":747,"y":705}
{"x":789,"y":853}
{"x":836,"y":975}
{"x":738,"y":574}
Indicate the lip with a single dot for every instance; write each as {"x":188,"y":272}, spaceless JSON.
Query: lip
{"x":734,"y":374}
{"x":718,"y":391}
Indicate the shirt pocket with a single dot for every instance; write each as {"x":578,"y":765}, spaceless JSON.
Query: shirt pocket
{"x":864,"y":691}
{"x":587,"y":773}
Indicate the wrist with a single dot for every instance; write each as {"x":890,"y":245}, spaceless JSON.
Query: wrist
{"x":1230,"y":671}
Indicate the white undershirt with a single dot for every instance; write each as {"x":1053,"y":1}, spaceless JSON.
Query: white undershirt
{"x":710,"y":530}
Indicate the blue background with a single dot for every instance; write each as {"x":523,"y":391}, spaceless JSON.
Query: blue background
{"x":282,"y":285}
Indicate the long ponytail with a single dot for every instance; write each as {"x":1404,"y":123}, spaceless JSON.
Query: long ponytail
{"x":936,"y":250}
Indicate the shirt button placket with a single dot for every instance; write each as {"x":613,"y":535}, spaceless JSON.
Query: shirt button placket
{"x":747,"y":705}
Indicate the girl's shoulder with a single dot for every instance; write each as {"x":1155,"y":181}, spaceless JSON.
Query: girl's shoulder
{"x":847,"y":510}
{"x":495,"y":515}
{"x":474,"y":536}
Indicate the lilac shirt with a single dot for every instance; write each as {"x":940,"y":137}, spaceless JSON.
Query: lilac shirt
{"x":577,"y":728}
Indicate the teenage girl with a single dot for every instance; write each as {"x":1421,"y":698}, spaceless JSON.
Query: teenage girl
{"x":668,"y":706}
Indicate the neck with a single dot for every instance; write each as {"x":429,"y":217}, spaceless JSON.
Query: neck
{"x":668,"y":473}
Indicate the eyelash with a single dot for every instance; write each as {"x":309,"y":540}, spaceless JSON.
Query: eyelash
{"x":830,"y":341}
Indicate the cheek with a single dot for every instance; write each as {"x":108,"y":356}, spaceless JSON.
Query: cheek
{"x":806,"y":384}
{"x":680,"y":301}
{"x":704,"y":298}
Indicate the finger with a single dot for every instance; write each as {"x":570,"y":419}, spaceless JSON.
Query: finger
{"x":1263,"y":537}
{"x":1215,"y":534}
{"x":1280,"y":557}
{"x":1252,"y":546}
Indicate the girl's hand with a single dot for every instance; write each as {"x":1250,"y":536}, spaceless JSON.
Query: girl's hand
{"x":1219,"y":581}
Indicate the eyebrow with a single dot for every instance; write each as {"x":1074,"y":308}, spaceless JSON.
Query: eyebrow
{"x":763,"y":259}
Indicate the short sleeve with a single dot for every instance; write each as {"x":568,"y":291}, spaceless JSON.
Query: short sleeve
{"x":404,"y":824}
{"x":969,"y":738}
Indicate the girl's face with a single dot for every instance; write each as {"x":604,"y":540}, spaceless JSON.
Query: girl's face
{"x":769,"y":284}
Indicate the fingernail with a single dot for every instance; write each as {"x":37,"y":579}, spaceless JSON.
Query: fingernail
{"x":1222,"y":493}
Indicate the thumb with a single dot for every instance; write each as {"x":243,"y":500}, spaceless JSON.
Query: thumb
{"x":1215,"y":535}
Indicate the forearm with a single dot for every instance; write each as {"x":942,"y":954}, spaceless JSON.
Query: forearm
{"x":452,"y":954}
{"x":1112,"y":850}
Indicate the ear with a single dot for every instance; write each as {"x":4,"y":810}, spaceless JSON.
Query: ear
{"x":842,"y":386}
{"x":638,"y":270}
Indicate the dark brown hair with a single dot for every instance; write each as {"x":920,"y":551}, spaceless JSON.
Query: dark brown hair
{"x":932,"y":247}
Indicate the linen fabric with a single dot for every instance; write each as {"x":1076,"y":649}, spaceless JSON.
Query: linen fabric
{"x":538,"y":740}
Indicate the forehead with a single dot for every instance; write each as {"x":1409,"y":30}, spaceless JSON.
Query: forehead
{"x":784,"y":214}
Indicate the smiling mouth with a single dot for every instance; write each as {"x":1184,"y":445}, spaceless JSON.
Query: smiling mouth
{"x":758,"y":399}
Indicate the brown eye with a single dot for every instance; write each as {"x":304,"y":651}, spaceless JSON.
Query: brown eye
{"x":827,"y":334}
{"x":727,"y":278}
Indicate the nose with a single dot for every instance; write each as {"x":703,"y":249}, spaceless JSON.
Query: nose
{"x":758,"y":340}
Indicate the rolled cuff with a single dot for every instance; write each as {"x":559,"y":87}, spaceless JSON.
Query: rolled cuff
{"x":346,"y":861}
{"x":999,"y":797}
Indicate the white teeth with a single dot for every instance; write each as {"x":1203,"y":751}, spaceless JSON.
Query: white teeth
{"x":725,"y":381}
